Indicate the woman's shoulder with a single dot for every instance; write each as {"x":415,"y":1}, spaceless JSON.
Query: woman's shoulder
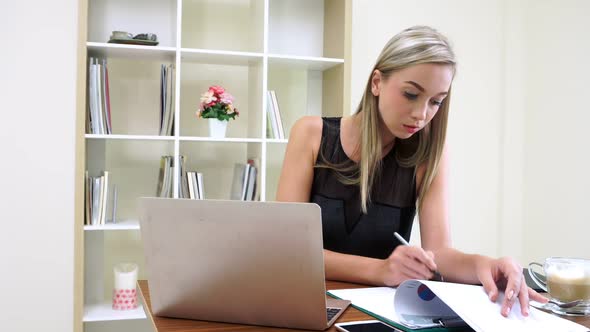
{"x":307,"y":133}
{"x":307,"y":128}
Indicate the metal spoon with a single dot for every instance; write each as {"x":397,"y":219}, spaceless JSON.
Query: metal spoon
{"x":566,"y":305}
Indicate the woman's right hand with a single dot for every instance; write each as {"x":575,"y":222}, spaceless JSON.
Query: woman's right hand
{"x":406,"y":262}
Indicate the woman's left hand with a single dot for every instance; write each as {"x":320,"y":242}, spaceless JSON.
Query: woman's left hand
{"x":505,"y":274}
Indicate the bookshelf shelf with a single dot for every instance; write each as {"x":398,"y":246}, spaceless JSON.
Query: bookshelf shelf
{"x":119,"y":226}
{"x":131,"y":51}
{"x":103,"y":312}
{"x":277,"y":141}
{"x":219,"y":57}
{"x":227,"y":139}
{"x":130,"y":137}
{"x":296,"y":48}
{"x":307,"y":62}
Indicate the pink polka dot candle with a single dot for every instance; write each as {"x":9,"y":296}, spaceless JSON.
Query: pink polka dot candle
{"x":125,"y":293}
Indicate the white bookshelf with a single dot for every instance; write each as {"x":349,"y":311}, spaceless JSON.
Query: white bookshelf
{"x":294,"y":47}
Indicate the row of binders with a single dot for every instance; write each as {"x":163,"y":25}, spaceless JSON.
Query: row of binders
{"x":244,"y":183}
{"x":191,"y":183}
{"x":99,"y":119}
{"x":274,"y":122}
{"x":100,"y":201}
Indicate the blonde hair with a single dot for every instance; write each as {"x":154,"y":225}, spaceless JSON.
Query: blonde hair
{"x":413,"y":46}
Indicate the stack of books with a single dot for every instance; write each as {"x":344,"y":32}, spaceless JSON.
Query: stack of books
{"x":245,"y":182}
{"x":98,"y":119}
{"x":274,"y":122}
{"x":167,"y":86}
{"x":194,"y":181}
{"x":96,"y":197}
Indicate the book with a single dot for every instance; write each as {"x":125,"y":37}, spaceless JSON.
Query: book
{"x":114,"y":205}
{"x":429,"y":305}
{"x":167,"y":101}
{"x":278,"y":118}
{"x":200,"y":186}
{"x":165,"y":188}
{"x":271,"y":116}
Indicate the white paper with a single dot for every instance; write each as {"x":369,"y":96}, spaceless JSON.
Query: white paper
{"x":472,"y":304}
{"x":414,"y":307}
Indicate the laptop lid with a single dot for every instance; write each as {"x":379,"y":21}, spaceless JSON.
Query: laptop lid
{"x":243,"y":262}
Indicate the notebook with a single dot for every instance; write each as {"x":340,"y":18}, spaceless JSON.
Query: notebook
{"x":438,"y":306}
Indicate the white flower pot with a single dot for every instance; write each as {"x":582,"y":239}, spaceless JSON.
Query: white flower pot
{"x":217,"y":128}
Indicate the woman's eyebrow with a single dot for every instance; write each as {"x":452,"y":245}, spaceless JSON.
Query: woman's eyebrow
{"x":419,"y":87}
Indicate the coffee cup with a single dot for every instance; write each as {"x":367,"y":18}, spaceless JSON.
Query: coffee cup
{"x":566,"y":279}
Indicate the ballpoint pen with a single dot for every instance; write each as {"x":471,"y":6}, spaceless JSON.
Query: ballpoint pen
{"x":437,"y":276}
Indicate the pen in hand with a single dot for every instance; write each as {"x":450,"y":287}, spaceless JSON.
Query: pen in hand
{"x":437,"y":276}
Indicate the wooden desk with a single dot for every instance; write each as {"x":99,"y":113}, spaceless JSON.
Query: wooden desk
{"x":163,"y":324}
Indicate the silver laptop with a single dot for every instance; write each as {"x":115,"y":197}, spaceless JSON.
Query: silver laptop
{"x":258,"y":263}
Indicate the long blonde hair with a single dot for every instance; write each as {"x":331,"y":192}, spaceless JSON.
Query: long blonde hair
{"x":413,"y":46}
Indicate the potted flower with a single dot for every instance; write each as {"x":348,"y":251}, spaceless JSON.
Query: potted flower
{"x":217,"y":106}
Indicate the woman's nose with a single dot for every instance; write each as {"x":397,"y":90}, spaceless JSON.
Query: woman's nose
{"x":419,"y":112}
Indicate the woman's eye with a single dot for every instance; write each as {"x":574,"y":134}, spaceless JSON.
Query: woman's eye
{"x":437,"y":103}
{"x":410,"y":96}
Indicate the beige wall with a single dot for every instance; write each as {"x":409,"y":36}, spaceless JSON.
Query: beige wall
{"x":518,"y":180}
{"x":38,"y":103}
{"x":557,"y":156}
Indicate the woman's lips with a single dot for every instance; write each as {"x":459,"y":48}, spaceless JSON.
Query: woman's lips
{"x":411,"y":129}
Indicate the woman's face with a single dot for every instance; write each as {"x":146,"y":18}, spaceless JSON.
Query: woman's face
{"x":409,"y":98}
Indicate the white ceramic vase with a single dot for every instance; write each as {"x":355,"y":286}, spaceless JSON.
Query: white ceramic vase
{"x":217,"y":128}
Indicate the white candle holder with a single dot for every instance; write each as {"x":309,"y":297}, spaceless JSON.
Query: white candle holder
{"x":124,"y":292}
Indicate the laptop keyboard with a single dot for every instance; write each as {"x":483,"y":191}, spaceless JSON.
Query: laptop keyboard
{"x":332,"y":312}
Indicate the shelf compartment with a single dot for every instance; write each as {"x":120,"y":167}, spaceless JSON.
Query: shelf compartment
{"x":134,"y":91}
{"x":133,"y":16}
{"x":312,"y":28}
{"x":244,"y":82}
{"x":133,"y":166}
{"x":216,"y":160}
{"x":166,"y":54}
{"x":232,"y":25}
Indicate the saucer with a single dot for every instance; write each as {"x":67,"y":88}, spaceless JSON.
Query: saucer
{"x":579,"y":310}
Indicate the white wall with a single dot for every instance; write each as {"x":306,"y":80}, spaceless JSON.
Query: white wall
{"x":557,"y":156}
{"x":38,"y":102}
{"x":519,"y":164}
{"x":475,"y":118}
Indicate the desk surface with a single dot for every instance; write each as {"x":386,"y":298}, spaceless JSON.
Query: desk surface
{"x":163,"y":324}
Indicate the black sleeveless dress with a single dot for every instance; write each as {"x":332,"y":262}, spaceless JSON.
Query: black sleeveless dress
{"x":345,"y":228}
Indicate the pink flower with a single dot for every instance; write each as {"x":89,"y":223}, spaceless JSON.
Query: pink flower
{"x":208,"y":97}
{"x":216,"y":89}
{"x":226,"y":98}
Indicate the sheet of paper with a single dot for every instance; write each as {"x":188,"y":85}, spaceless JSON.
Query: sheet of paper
{"x":473,"y":305}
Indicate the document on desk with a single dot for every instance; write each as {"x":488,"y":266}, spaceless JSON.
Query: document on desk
{"x":419,"y":304}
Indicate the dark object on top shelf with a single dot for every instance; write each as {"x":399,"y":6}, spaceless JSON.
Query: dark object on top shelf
{"x":124,"y":37}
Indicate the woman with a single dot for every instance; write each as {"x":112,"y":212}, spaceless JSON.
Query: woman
{"x":371,"y":171}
